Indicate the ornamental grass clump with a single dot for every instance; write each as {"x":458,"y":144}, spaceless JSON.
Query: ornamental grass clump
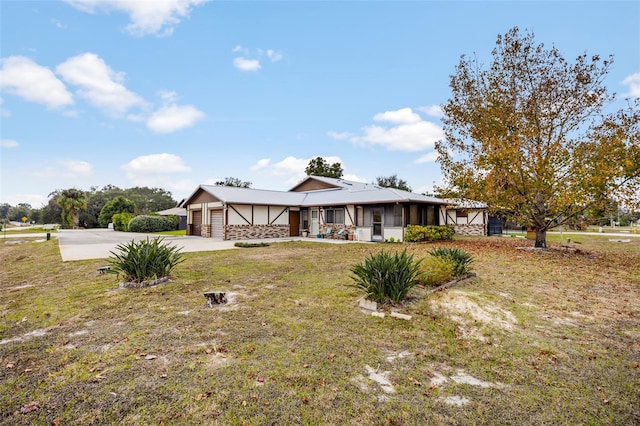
{"x":460,"y":259}
{"x":144,"y":260}
{"x":385,"y":277}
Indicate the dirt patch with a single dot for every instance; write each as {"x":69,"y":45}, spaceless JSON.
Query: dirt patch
{"x":468,"y":313}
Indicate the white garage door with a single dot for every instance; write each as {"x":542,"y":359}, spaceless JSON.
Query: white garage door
{"x":216,"y":224}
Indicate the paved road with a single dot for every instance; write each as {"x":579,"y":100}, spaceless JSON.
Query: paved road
{"x":98,"y":243}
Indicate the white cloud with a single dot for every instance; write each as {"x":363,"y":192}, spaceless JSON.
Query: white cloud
{"x":274,"y":56}
{"x":433,"y":111}
{"x":246,"y":64}
{"x":261,"y":164}
{"x":23,"y":77}
{"x":35,"y":200}
{"x":156,"y":17}
{"x":70,"y":169}
{"x":431,"y":157}
{"x":240,"y":49}
{"x":156,"y":164}
{"x":9,"y":143}
{"x":250,"y":59}
{"x":99,"y":84}
{"x":401,"y":116}
{"x":76,"y":168}
{"x":158,"y":170}
{"x":339,"y":136}
{"x":58,"y":24}
{"x":408,"y":132}
{"x":291,"y":168}
{"x":171,"y":118}
{"x":633,"y":81}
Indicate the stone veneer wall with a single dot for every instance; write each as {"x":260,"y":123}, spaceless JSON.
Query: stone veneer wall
{"x":471,"y":229}
{"x":245,"y":232}
{"x":351,"y":229}
{"x":205,"y":231}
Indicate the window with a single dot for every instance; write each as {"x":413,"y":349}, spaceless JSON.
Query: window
{"x":334,"y":216}
{"x":393,"y":215}
{"x":461,"y":213}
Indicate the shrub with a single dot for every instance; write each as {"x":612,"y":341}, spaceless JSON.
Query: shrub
{"x":386,"y":277}
{"x":436,"y":271}
{"x":461,"y":259}
{"x":151,"y":223}
{"x":121,"y":221}
{"x":418,"y":233}
{"x":144,"y":260}
{"x":117,"y":205}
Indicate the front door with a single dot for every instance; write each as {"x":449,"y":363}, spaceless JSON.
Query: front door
{"x":315,"y":226}
{"x":294,"y":223}
{"x":196,"y":222}
{"x":377,"y":215}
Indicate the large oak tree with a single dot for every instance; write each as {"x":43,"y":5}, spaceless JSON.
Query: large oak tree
{"x":530,"y":135}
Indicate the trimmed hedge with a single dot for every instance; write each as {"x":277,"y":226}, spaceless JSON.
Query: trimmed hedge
{"x":417,"y":233}
{"x":149,"y":223}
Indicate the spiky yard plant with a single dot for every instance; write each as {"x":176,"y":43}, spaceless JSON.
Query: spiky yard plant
{"x":461,"y":259}
{"x":144,"y":260}
{"x":385,"y":277}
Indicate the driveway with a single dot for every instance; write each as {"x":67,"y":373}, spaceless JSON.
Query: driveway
{"x":84,"y":244}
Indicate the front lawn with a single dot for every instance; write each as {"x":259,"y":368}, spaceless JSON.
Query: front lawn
{"x":538,"y":337}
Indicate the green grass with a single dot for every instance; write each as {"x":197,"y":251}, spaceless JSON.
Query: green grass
{"x":30,"y":230}
{"x":177,"y":232}
{"x":556,"y":332}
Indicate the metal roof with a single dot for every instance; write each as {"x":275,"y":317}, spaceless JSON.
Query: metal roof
{"x":463,"y":203}
{"x":234,"y":195}
{"x":176,"y":211}
{"x":345,"y":192}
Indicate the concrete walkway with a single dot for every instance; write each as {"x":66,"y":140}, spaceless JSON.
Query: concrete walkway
{"x":98,"y":243}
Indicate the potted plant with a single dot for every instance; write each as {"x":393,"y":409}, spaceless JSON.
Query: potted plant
{"x":305,"y":232}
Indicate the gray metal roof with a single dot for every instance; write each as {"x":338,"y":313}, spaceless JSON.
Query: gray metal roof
{"x":463,"y":203}
{"x":347,"y":192}
{"x":234,"y":195}
{"x":371,"y":195}
{"x":176,"y":211}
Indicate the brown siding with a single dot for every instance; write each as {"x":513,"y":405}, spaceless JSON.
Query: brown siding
{"x":312,"y":185}
{"x":203,"y":197}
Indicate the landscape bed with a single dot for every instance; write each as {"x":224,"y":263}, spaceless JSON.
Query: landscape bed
{"x":537,"y":337}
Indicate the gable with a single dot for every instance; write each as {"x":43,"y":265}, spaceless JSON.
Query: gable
{"x":312,"y":184}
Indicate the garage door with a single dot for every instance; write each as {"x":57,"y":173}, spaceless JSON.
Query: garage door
{"x":196,"y":216}
{"x":216,"y":224}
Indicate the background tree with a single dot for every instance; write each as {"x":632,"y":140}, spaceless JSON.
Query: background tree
{"x":16,"y":213}
{"x":528,"y":135}
{"x":96,"y":199}
{"x":392,"y":182}
{"x":115,"y":206}
{"x":72,"y":201}
{"x":51,"y":212}
{"x":235,"y":182}
{"x":149,"y":200}
{"x":320,"y":167}
{"x":4,"y":210}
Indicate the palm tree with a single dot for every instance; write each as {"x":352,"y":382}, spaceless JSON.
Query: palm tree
{"x":72,"y":201}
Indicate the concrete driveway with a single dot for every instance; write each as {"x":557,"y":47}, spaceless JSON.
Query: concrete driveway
{"x":98,"y":243}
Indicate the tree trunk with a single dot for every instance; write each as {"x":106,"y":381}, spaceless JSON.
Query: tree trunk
{"x":541,"y":239}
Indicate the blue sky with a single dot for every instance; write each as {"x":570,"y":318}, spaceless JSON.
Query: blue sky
{"x":176,"y":93}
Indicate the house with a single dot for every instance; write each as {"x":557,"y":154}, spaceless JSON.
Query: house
{"x":180,"y":212}
{"x":332,"y":208}
{"x":469,"y":217}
